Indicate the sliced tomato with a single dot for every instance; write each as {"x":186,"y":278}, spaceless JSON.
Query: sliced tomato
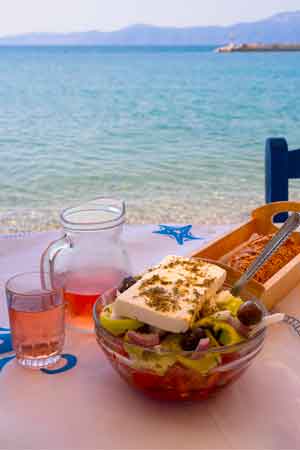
{"x":173,"y":395}
{"x":176,"y":379}
{"x":229,"y":357}
{"x":212,"y":380}
{"x":146,"y":380}
{"x":184,"y":379}
{"x":177,"y":384}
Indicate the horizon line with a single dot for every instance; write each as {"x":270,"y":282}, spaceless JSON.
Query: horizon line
{"x":139,"y":24}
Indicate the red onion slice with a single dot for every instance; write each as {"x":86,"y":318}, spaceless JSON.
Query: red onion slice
{"x":203,"y":345}
{"x":145,"y":340}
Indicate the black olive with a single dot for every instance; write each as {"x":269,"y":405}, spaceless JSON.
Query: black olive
{"x":191,"y":339}
{"x":126,"y":284}
{"x":144,"y":329}
{"x":250,"y":313}
{"x":200,"y":333}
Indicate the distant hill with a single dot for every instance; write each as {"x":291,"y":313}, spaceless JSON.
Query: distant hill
{"x":280,"y":28}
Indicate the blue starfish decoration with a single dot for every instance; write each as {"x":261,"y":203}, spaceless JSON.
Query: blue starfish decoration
{"x":181,"y":234}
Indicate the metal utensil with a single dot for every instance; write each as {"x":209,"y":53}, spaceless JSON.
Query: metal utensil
{"x":280,"y":237}
{"x":271,"y":319}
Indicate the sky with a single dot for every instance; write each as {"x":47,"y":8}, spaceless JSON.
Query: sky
{"x":23,"y":16}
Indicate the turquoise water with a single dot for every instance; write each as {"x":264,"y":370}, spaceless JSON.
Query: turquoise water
{"x":178,"y":133}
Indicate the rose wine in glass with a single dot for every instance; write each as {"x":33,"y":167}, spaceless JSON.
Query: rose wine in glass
{"x":37,"y":320}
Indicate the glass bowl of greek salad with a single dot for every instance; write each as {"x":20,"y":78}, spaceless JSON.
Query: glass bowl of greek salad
{"x":175,"y":332}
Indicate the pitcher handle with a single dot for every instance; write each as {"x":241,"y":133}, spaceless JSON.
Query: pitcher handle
{"x":48,"y":259}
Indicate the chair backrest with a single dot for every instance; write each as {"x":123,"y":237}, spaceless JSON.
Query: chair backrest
{"x":280,"y":165}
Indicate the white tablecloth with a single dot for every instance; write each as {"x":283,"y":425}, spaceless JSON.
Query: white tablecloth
{"x":89,"y":406}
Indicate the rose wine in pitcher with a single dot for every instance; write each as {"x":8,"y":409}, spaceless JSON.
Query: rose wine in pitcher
{"x":81,"y":290}
{"x":89,"y":258}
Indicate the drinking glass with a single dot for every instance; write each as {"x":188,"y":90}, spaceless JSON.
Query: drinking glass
{"x":37,"y":320}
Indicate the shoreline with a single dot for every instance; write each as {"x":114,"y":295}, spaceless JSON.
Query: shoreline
{"x":37,"y":220}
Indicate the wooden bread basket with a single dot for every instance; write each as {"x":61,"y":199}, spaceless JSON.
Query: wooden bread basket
{"x":280,"y":284}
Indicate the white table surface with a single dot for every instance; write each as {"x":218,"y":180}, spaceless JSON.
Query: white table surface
{"x":90,"y":407}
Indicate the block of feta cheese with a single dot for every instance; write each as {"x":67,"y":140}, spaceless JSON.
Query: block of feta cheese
{"x":169,"y":295}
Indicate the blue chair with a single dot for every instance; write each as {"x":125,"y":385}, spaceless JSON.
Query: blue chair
{"x":280,"y":165}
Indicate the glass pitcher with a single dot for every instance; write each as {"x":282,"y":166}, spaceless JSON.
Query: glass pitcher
{"x":89,"y":258}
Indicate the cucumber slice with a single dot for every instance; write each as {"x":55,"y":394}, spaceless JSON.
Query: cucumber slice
{"x":118,"y":326}
{"x":228,"y":335}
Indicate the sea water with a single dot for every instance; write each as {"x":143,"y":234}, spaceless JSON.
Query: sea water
{"x":178,"y":133}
